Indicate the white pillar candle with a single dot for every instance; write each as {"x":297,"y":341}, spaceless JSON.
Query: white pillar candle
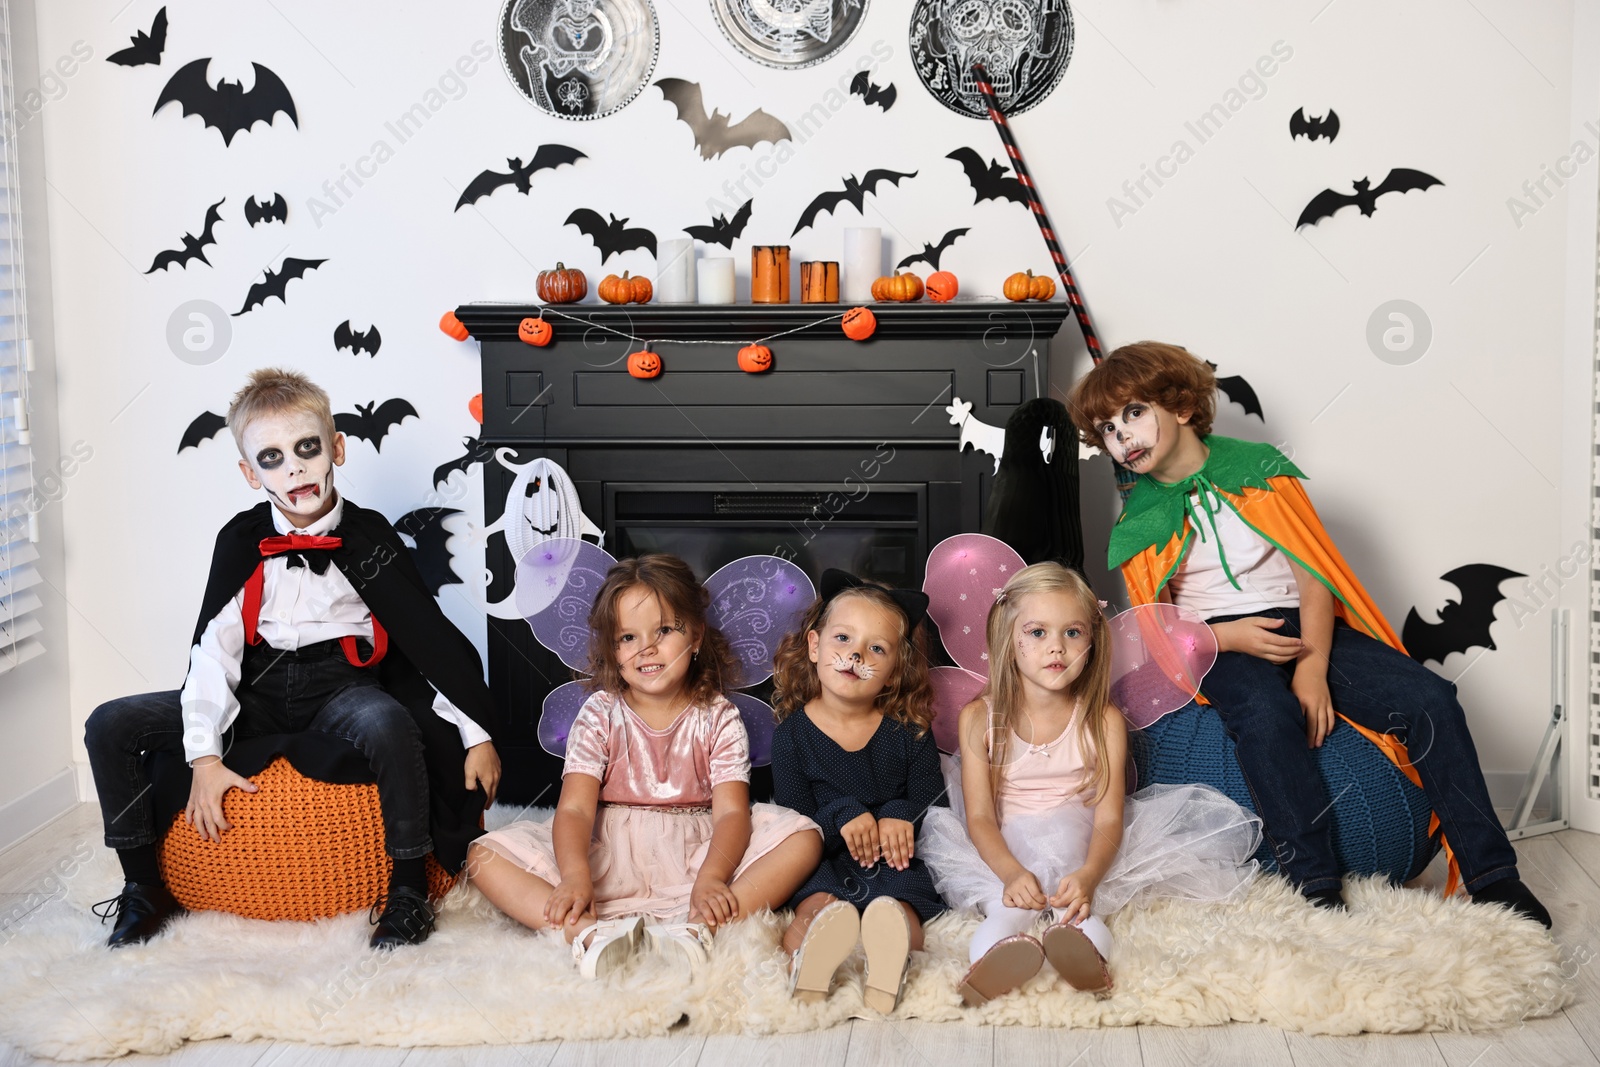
{"x":675,"y":271}
{"x":862,"y":263}
{"x":716,"y":280}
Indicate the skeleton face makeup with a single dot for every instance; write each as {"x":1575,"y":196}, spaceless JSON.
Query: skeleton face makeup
{"x":654,"y":651}
{"x":291,"y":456}
{"x":1132,"y":434}
{"x":856,"y":650}
{"x":1052,"y":641}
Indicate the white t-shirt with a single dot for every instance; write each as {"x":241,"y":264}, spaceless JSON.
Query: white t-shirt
{"x":1263,"y":573}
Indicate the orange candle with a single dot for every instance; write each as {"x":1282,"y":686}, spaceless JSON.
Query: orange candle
{"x":769,"y":274}
{"x":819,"y":282}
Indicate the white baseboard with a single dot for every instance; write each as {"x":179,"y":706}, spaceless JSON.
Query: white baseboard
{"x":40,"y":805}
{"x":1506,"y":786}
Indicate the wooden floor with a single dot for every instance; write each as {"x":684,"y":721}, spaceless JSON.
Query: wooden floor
{"x":1562,"y":868}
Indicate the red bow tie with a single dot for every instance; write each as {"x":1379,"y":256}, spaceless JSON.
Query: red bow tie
{"x":298,"y":543}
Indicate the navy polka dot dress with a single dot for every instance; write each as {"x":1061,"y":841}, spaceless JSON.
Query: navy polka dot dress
{"x":896,"y":776}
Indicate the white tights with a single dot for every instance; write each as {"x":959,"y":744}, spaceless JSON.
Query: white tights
{"x":1001,"y":922}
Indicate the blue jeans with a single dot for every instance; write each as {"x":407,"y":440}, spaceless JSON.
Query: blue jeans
{"x":282,"y":692}
{"x":1385,"y":691}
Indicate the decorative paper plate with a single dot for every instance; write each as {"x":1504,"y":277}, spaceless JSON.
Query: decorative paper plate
{"x":789,"y":34}
{"x":579,"y":59}
{"x":1025,"y":45}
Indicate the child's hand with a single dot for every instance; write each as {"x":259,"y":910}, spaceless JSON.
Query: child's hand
{"x":861,"y":837}
{"x":898,"y":840}
{"x":712,"y":902}
{"x":570,"y":901}
{"x":1254,"y":637}
{"x":211,"y":783}
{"x":1074,"y":896}
{"x":1024,"y":891}
{"x":1315,"y":701}
{"x":483,"y":768}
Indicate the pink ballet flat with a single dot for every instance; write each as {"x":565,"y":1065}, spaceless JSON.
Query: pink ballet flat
{"x":1075,"y":958}
{"x":1008,"y":963}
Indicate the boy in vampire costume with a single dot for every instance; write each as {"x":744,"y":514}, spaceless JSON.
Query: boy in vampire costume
{"x":317,"y":640}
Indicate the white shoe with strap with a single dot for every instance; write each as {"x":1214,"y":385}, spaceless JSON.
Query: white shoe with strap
{"x":607,"y":945}
{"x":690,"y":940}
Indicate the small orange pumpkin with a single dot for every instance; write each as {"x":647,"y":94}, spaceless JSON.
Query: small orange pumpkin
{"x":1029,"y":286}
{"x":644,"y":364}
{"x":454,"y":327}
{"x":562,"y":285}
{"x":475,"y":407}
{"x":899,"y":288}
{"x":625,"y":290}
{"x":753,"y":359}
{"x":942,"y":287}
{"x":1043,"y":287}
{"x":859,"y":324}
{"x":535,"y":331}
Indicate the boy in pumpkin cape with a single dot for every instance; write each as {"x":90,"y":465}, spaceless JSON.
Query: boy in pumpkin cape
{"x":1224,"y":526}
{"x":315,"y":622}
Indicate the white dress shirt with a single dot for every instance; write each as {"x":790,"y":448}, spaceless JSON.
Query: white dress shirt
{"x":1263,"y":573}
{"x":298,"y":607}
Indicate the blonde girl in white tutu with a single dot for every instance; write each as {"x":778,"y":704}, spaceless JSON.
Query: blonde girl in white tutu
{"x":1040,"y":821}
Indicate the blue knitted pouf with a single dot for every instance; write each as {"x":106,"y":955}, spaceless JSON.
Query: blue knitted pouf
{"x":1380,"y":819}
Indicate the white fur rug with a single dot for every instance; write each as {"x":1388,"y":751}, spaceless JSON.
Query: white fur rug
{"x":1398,"y":960}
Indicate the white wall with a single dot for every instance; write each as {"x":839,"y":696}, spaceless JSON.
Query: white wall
{"x":1416,"y":469}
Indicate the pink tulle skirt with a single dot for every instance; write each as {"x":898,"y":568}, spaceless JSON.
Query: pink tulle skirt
{"x":643,"y":860}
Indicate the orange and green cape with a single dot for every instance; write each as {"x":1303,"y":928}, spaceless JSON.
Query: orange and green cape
{"x":1263,"y":488}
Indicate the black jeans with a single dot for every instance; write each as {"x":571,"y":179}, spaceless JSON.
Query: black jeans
{"x":1385,"y":691}
{"x":315,"y":688}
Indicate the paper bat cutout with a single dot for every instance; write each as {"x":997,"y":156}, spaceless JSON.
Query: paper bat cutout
{"x":357,"y":343}
{"x":228,"y":107}
{"x":146,"y":48}
{"x":193,"y":247}
{"x":1399,"y":180}
{"x":430,"y":551}
{"x":274,"y":210}
{"x":277,"y":284}
{"x":374,"y":425}
{"x":989,"y":180}
{"x":1240,"y":392}
{"x":722,"y":231}
{"x":862,"y":86}
{"x":611,"y":237}
{"x":205,"y":426}
{"x":712,"y":134}
{"x":547,"y":157}
{"x":1464,"y":624}
{"x":930,"y":253}
{"x":477,"y":452}
{"x":855,"y":194}
{"x":1326,"y":128}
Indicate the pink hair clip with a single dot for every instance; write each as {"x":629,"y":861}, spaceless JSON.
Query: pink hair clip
{"x":1102,"y":603}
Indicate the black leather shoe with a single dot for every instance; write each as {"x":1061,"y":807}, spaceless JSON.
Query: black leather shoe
{"x":1512,"y":893}
{"x":1330,"y":899}
{"x":139,"y":912}
{"x":407,"y":919}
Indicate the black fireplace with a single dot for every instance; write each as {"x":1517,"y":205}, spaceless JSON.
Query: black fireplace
{"x":843,"y":455}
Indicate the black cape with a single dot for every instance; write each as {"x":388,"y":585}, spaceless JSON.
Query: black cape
{"x":426,"y":652}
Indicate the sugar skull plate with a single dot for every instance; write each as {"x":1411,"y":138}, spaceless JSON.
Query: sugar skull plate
{"x":789,"y":33}
{"x":1025,"y":45}
{"x":579,"y":59}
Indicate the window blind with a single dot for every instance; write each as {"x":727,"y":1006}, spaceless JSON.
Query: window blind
{"x":19,"y":520}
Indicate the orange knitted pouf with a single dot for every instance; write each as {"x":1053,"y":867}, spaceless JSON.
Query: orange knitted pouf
{"x":296,"y":849}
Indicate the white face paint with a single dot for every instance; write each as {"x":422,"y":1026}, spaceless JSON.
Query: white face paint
{"x":1133,"y":435}
{"x":288,"y":455}
{"x":853,"y":664}
{"x":857,"y":649}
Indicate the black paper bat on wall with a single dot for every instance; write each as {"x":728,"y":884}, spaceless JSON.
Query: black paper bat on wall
{"x":277,"y":284}
{"x":862,"y":86}
{"x":345,"y":337}
{"x":1326,"y":128}
{"x":372,"y":422}
{"x":613,"y":237}
{"x":477,"y":452}
{"x":430,"y":550}
{"x":146,"y":48}
{"x":205,"y":426}
{"x":520,"y":176}
{"x":712,"y":133}
{"x":227,"y":106}
{"x":1240,"y":392}
{"x":930,"y":253}
{"x":1464,"y":624}
{"x":989,"y":179}
{"x":722,"y":231}
{"x":854,"y":193}
{"x":274,"y":210}
{"x":1365,"y":197}
{"x":193,"y":247}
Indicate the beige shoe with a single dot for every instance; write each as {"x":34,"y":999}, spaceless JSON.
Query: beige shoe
{"x":1008,"y":963}
{"x":1075,"y":958}
{"x":607,"y":945}
{"x":828,"y":942}
{"x":886,"y":937}
{"x":687,"y":940}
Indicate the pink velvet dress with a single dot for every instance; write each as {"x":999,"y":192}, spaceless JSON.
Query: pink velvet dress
{"x":653,"y":828}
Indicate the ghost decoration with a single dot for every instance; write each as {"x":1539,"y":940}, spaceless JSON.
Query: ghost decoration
{"x":541,"y":504}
